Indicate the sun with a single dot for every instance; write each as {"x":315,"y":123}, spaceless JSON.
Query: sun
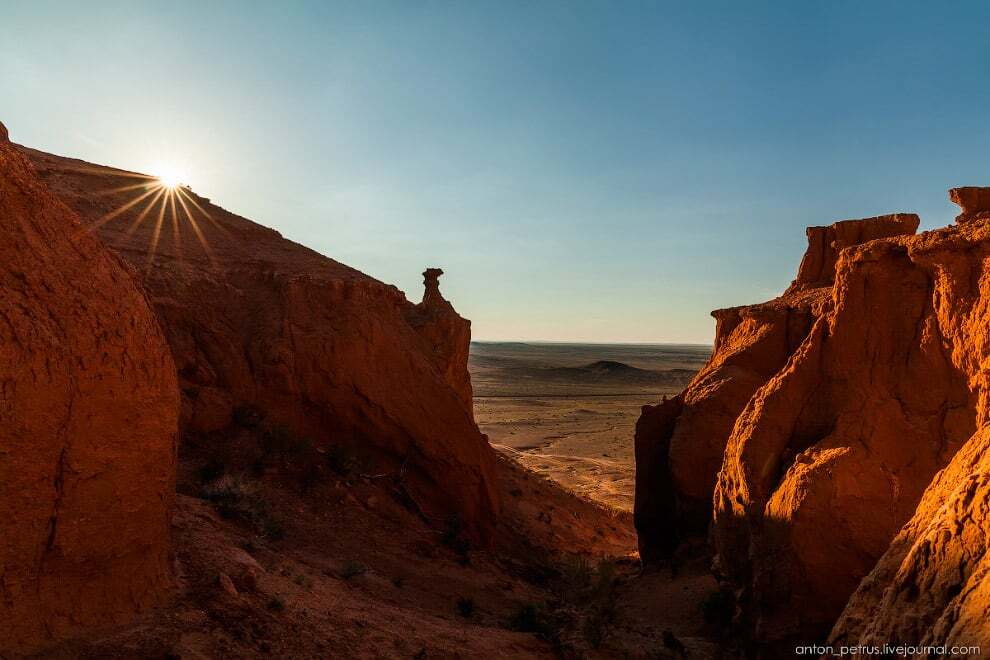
{"x":170,"y":177}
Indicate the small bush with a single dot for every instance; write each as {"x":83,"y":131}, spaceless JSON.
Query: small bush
{"x":235,"y":500}
{"x":465,"y":607}
{"x":248,"y":416}
{"x":276,"y":604}
{"x":212,"y":470}
{"x":277,"y":441}
{"x":353,"y":569}
{"x":537,"y":619}
{"x":344,"y":461}
{"x":717,"y":609}
{"x":453,"y":537}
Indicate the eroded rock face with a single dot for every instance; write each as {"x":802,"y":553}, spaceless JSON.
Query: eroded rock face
{"x":447,"y":335}
{"x":974,"y":202}
{"x":322,"y":349}
{"x":817,"y":268}
{"x":842,"y":442}
{"x":89,"y":409}
{"x":931,"y":585}
{"x":680,"y":456}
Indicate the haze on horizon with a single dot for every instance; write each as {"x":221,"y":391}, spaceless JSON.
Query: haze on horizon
{"x":590,"y":172}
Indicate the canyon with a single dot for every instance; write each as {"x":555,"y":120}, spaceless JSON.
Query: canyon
{"x":219,"y":443}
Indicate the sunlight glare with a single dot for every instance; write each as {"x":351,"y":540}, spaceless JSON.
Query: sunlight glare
{"x":170,"y":177}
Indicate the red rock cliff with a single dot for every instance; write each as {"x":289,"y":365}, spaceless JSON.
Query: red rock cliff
{"x":447,"y":335}
{"x":330,"y":353}
{"x":830,"y":458}
{"x":89,"y":408}
{"x":680,"y":445}
{"x":930,"y":585}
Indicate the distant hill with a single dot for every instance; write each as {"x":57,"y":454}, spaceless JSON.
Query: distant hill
{"x":610,"y":372}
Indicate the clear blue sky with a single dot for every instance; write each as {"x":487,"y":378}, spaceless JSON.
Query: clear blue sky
{"x":595,"y":171}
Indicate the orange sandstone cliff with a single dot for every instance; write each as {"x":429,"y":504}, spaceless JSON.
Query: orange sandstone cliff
{"x":680,"y":443}
{"x":260,"y":326}
{"x":89,"y":408}
{"x":931,"y":584}
{"x":873,"y":391}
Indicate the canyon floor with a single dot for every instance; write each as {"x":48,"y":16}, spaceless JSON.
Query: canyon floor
{"x":568,"y":411}
{"x":342,"y":568}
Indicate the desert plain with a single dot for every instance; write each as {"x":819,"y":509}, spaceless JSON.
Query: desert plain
{"x":568,"y":411}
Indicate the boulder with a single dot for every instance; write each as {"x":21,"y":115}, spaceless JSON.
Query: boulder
{"x":89,"y":409}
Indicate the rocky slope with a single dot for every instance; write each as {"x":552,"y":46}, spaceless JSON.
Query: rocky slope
{"x":89,"y":408}
{"x":265,"y":331}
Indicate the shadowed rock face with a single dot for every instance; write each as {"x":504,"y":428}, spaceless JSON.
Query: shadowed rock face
{"x":447,"y":335}
{"x":89,"y":409}
{"x":322,"y":349}
{"x":682,"y":455}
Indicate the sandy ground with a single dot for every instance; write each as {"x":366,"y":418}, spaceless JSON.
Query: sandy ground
{"x":543,"y":405}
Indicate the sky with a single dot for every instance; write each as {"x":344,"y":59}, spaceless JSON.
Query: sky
{"x":582,"y":171}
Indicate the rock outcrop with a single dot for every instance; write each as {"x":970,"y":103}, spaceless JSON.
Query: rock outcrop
{"x":931,"y":587}
{"x":831,"y":456}
{"x":680,"y":445}
{"x":256,"y":321}
{"x":817,"y":268}
{"x":973,"y":201}
{"x":447,"y":335}
{"x":89,"y":408}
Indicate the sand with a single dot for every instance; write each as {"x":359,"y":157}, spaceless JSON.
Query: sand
{"x":568,"y":411}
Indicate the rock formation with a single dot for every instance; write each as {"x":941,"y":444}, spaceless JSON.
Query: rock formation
{"x":447,"y":335}
{"x":258,"y":322}
{"x":89,"y":409}
{"x":974,"y":202}
{"x":834,"y":409}
{"x":931,"y":586}
{"x":830,"y":456}
{"x":817,"y":268}
{"x":680,"y":446}
{"x":931,"y":583}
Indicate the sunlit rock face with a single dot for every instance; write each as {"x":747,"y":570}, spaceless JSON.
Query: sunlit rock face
{"x":931,"y":586}
{"x":89,"y":408}
{"x":833,"y":408}
{"x":255,"y":320}
{"x":831,"y":456}
{"x":680,"y":454}
{"x":973,"y":201}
